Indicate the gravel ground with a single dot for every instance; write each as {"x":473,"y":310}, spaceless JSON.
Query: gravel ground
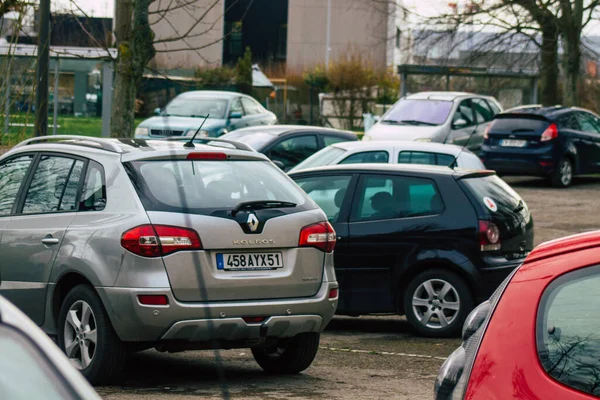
{"x":360,"y":358}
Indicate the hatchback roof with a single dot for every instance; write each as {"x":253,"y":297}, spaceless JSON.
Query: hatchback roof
{"x":412,"y":168}
{"x":282,"y":129}
{"x":210,"y":93}
{"x":550,"y":112}
{"x":448,"y":96}
{"x":409,"y":145}
{"x":566,"y":244}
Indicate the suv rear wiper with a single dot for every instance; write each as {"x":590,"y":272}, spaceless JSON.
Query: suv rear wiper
{"x":261,"y":204}
{"x":519,"y":206}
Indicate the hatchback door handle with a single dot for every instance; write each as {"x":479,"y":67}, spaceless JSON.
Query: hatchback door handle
{"x":49,"y":240}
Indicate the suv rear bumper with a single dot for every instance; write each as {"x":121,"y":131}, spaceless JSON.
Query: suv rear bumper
{"x":200,"y":322}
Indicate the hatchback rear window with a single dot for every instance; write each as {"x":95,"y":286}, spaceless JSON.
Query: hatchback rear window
{"x":518,"y":124}
{"x":201,"y":186}
{"x":493,"y":193}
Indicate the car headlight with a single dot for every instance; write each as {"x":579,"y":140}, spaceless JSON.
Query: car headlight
{"x":140,"y":131}
{"x":423,"y":139}
{"x":202,"y":133}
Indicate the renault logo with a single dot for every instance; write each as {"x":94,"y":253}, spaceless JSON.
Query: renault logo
{"x":252,"y":222}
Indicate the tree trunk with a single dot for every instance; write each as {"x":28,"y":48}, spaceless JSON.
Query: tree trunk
{"x":135,"y":49}
{"x":549,"y":65}
{"x":572,"y":69}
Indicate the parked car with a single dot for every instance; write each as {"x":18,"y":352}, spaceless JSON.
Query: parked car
{"x":31,"y":366}
{"x":554,"y":142}
{"x":425,"y":241}
{"x":184,"y":115}
{"x":118,"y":244}
{"x":537,"y":337}
{"x":288,"y":145}
{"x":444,"y":117}
{"x":392,"y":152}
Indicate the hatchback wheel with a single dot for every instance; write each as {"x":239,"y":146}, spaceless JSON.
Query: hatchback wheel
{"x":436,"y":303}
{"x":87,"y":336}
{"x":563,"y":176}
{"x":288,"y":356}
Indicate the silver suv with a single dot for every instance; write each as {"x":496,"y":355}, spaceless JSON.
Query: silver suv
{"x":117,"y":245}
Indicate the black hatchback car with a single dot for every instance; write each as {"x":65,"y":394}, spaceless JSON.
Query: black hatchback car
{"x":423,"y":241}
{"x":288,"y":145}
{"x":554,"y":142}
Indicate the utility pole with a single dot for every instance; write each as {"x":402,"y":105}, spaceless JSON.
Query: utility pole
{"x":328,"y":35}
{"x":41,"y":101}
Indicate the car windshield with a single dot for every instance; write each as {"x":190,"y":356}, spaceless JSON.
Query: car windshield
{"x":327,"y":156}
{"x":200,"y":187}
{"x":197,"y":107}
{"x":255,"y":138}
{"x":418,"y":112}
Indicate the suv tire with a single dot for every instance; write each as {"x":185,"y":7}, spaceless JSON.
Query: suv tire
{"x":83,"y":325}
{"x":440,"y":296}
{"x":289,"y":356}
{"x":563,"y":176}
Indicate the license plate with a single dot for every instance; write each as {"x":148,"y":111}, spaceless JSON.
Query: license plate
{"x":513,"y":143}
{"x":249,"y":261}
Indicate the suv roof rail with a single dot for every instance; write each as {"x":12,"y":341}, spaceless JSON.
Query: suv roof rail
{"x":206,"y":141}
{"x":75,"y":139}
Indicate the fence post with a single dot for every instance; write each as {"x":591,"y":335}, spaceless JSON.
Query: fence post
{"x":55,"y":117}
{"x":7,"y":100}
{"x":107,"y":86}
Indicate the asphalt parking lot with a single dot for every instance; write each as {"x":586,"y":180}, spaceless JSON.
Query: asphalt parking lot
{"x":366,"y":357}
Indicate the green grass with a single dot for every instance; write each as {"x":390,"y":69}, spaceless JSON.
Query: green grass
{"x":85,"y":126}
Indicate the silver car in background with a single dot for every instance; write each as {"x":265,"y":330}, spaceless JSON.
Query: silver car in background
{"x":393,"y":152}
{"x":443,"y":117}
{"x":120,"y":245}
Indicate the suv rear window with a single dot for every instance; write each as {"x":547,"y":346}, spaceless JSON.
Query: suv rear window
{"x":502,"y":196}
{"x":202,"y":186}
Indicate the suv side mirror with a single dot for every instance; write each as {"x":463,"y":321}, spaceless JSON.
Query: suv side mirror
{"x":279,"y":164}
{"x":459,"y":123}
{"x":235,"y":115}
{"x":99,"y":205}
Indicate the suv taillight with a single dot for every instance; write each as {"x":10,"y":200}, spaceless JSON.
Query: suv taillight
{"x":489,"y":236}
{"x":159,"y":240}
{"x":320,"y":235}
{"x":550,"y":133}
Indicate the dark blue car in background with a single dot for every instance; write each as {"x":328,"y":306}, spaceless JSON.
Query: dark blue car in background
{"x":554,"y":142}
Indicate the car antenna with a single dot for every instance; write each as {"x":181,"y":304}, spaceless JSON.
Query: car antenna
{"x":190,"y":144}
{"x":467,"y":142}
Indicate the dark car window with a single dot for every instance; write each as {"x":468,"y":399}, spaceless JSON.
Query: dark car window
{"x":568,"y":121}
{"x":188,"y":106}
{"x":495,"y":108}
{"x":482,"y":111}
{"x":387,"y":197}
{"x":327,"y":191}
{"x":568,"y":338}
{"x":464,"y":112}
{"x":93,"y":195}
{"x":49,"y":183}
{"x":251,"y":106}
{"x":587,"y":122}
{"x":294,"y":150}
{"x":254,"y":138}
{"x":329,"y":139}
{"x":69,"y":197}
{"x":25,"y":374}
{"x":420,"y":157}
{"x":491,"y":192}
{"x":428,"y":112}
{"x":376,"y":157}
{"x":12,"y":174}
{"x":236,"y":106}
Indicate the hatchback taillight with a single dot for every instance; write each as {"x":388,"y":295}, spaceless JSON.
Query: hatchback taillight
{"x":320,"y":235}
{"x":489,"y":236}
{"x":550,"y":133}
{"x":159,"y":240}
{"x":486,"y":133}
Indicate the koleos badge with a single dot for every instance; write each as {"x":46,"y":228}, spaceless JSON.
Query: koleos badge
{"x":252,"y":222}
{"x":490,"y":204}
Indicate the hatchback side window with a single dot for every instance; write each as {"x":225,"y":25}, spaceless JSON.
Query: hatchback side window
{"x":421,"y":157}
{"x":388,"y":197}
{"x":587,"y":122}
{"x":495,"y":109}
{"x":293,"y":150}
{"x":377,"y":157}
{"x":51,"y":181}
{"x":12,"y":175}
{"x":329,"y":140}
{"x":568,"y":121}
{"x":464,"y":112}
{"x":251,"y":106}
{"x":482,"y":111}
{"x":568,"y":340}
{"x":236,"y":106}
{"x":93,"y":195}
{"x":327,"y":191}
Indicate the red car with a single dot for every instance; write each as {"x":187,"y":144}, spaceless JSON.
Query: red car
{"x":538,"y":336}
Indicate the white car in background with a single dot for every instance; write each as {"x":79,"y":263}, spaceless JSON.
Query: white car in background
{"x":443,"y":117}
{"x":393,"y":152}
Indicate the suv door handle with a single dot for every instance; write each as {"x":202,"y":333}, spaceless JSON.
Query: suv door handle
{"x":49,"y":240}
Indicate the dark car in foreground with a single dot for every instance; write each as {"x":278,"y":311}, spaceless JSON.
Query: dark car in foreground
{"x":537,"y":337}
{"x":554,"y":142}
{"x":32,"y":366}
{"x":288,"y":145}
{"x":424,"y":241}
